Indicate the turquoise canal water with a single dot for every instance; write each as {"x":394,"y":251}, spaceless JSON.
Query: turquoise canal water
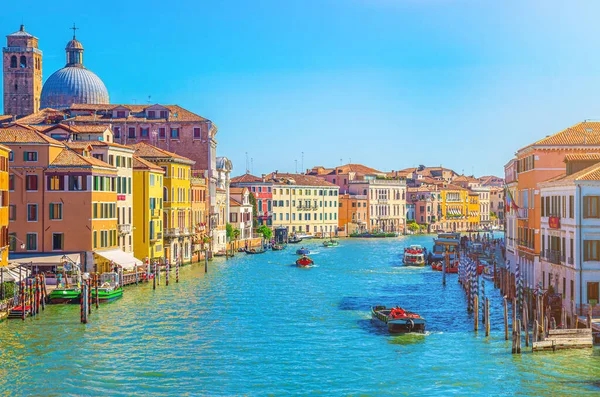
{"x":255,"y":325}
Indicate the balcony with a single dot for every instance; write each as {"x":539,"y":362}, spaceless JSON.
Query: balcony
{"x":172,"y":232}
{"x":554,"y":256}
{"x":155,"y":213}
{"x":156,"y":237}
{"x":184,"y":231}
{"x":124,"y":229}
{"x":523,"y":213}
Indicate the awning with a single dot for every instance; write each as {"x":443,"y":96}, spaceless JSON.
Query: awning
{"x":11,"y":272}
{"x":45,"y":260}
{"x":121,"y":258}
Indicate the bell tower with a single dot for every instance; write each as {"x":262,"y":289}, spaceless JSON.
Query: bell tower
{"x":22,"y":72}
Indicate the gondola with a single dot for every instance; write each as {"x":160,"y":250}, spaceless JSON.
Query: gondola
{"x":397,"y":320}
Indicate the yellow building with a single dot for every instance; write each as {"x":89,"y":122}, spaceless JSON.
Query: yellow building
{"x":455,"y":208}
{"x":177,"y":211}
{"x":473,"y":210}
{"x":4,"y":202}
{"x":148,"y":209}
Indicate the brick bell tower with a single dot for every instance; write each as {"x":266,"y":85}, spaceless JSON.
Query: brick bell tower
{"x":22,"y":72}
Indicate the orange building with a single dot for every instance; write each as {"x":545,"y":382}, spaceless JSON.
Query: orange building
{"x":200,"y":211}
{"x":536,"y":163}
{"x":353,"y":214}
{"x":62,"y":202}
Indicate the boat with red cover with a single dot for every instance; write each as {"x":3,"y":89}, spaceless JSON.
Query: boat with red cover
{"x":398,"y":320}
{"x":305,"y":261}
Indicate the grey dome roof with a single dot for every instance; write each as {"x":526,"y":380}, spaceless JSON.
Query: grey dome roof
{"x":74,"y":44}
{"x":73,"y":84}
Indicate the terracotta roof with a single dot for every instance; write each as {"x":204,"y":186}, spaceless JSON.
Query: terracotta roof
{"x":141,"y":164}
{"x":41,"y":116}
{"x":585,"y":133}
{"x":91,"y":128}
{"x":591,"y":173}
{"x":237,"y":190}
{"x":19,"y":134}
{"x":298,"y":179}
{"x":452,"y":187}
{"x":5,"y":117}
{"x":143,"y":149}
{"x":176,"y":112}
{"x":234,"y":203}
{"x":582,"y":157}
{"x":103,"y":143}
{"x":358,"y":168}
{"x":246,"y":178}
{"x":70,"y":158}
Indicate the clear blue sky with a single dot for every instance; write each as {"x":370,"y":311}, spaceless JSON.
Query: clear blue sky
{"x":387,"y":83}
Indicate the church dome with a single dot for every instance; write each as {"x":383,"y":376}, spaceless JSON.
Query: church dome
{"x":73,"y":84}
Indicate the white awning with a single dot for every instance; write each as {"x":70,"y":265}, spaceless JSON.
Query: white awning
{"x":46,"y":260}
{"x":121,"y":258}
{"x":11,"y":272}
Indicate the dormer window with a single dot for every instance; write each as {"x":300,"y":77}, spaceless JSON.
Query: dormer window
{"x":151,"y":114}
{"x":164,"y":114}
{"x":120,"y":114}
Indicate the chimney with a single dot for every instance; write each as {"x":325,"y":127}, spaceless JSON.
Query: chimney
{"x":264,"y":177}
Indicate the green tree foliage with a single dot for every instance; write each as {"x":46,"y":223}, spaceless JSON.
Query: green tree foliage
{"x":266,"y":232}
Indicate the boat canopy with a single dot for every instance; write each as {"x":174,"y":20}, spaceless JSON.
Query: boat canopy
{"x":121,"y":258}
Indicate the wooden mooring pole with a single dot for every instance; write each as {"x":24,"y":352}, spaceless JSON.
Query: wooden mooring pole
{"x":505,"y":318}
{"x":487,"y":317}
{"x":476,"y":312}
{"x":526,"y":324}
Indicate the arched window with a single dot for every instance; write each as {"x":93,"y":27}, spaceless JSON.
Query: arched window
{"x":165,"y":194}
{"x":13,"y":61}
{"x":23,"y":63}
{"x":16,"y":87}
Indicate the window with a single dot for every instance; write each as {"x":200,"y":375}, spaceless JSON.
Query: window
{"x":55,"y":211}
{"x":31,"y":182}
{"x":56,"y":183}
{"x":162,"y":133}
{"x":591,"y":207}
{"x":76,"y":182}
{"x":13,"y":61}
{"x":11,"y":182}
{"x":95,"y":239}
{"x":12,"y":241}
{"x":11,"y":156}
{"x":590,"y":250}
{"x":23,"y":62}
{"x":571,"y":207}
{"x":164,"y":114}
{"x":31,"y":241}
{"x":144,"y":132}
{"x":131,"y":132}
{"x":30,"y":156}
{"x":197,"y":133}
{"x":174,"y":133}
{"x":32,"y":213}
{"x":151,"y":114}
{"x":58,"y":240}
{"x":12,"y":212}
{"x":117,"y":132}
{"x":120,"y":114}
{"x":592,"y":291}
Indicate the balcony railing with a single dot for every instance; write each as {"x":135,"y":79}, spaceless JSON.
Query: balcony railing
{"x":523,"y":213}
{"x":156,"y":237}
{"x":554,"y":256}
{"x":124,"y":229}
{"x":184,"y":231}
{"x":155,"y":213}
{"x":172,"y":232}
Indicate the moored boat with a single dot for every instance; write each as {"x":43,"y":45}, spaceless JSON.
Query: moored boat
{"x":414,"y":256}
{"x":64,"y":295}
{"x":254,"y":251}
{"x":110,"y":288}
{"x":330,"y":243}
{"x":278,"y":247}
{"x":305,"y":261}
{"x":303,"y":251}
{"x":398,"y":320}
{"x":294,"y":240}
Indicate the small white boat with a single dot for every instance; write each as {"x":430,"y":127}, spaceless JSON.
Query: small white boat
{"x":414,"y":255}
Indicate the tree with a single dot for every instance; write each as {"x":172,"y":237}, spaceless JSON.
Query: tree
{"x":252,"y":200}
{"x":229,"y":231}
{"x":413,"y":226}
{"x":266,"y":232}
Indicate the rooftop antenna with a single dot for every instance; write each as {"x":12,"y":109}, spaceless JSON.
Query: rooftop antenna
{"x":74,"y":28}
{"x":302,"y":166}
{"x":247,"y":164}
{"x":149,"y":96}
